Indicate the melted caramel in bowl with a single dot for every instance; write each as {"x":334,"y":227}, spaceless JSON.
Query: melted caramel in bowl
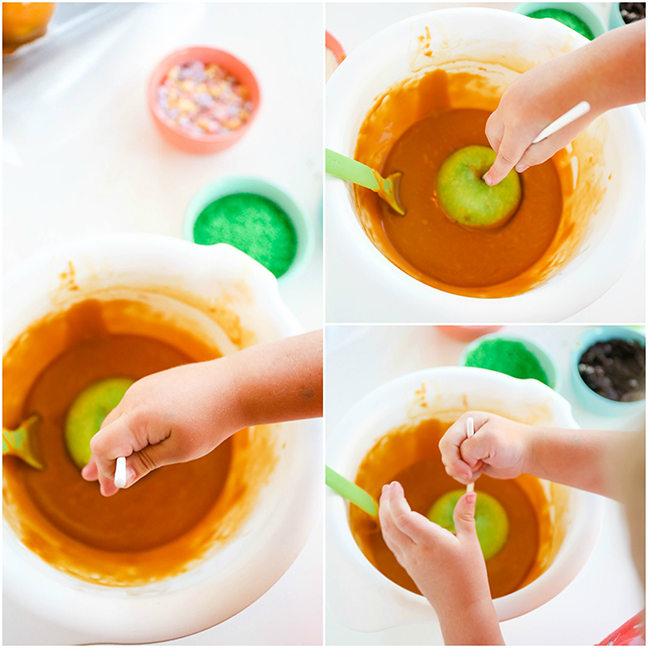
{"x":412,"y":128}
{"x":163,"y":524}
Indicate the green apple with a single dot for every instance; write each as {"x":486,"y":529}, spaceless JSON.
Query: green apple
{"x":467,"y":199}
{"x":88,"y":412}
{"x":490,"y":519}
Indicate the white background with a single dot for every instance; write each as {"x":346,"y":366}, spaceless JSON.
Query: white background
{"x":352,"y":24}
{"x":82,"y":158}
{"x":602,"y":597}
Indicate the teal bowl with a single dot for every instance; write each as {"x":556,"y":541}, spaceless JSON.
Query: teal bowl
{"x":229,"y":185}
{"x":588,"y":398}
{"x":616,"y":19}
{"x":543,"y":356}
{"x":579,"y":9}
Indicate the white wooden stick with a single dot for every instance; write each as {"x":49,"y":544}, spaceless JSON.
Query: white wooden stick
{"x":578,"y":111}
{"x":470,"y":425}
{"x":120,"y":472}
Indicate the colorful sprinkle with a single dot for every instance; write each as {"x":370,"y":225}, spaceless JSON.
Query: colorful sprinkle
{"x":203,"y":99}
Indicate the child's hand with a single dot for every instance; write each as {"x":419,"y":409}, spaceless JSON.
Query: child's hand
{"x":167,"y":417}
{"x":608,"y":72}
{"x":534,"y":100}
{"x":185,"y":412}
{"x":449,"y":570}
{"x":500,"y":448}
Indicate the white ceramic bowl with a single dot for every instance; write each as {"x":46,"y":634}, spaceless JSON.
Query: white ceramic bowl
{"x":459,"y":37}
{"x":176,"y":276}
{"x":362,"y":597}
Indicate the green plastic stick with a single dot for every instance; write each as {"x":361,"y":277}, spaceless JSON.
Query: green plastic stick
{"x":343,"y":167}
{"x":352,"y":492}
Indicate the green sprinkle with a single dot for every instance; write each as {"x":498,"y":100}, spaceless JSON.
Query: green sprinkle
{"x":565,"y":18}
{"x":507,"y":357}
{"x":254,"y":225}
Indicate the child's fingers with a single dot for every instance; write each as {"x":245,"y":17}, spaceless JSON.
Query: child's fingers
{"x":394,"y":544}
{"x":416,"y":527}
{"x":536,"y":154}
{"x":457,"y":466}
{"x":477,"y":449}
{"x":542,"y":151}
{"x":107,"y":485}
{"x":464,"y":516}
{"x":494,"y":131}
{"x":113,"y":415}
{"x":112,"y":441}
{"x":451,"y":456}
{"x":148,"y":459}
{"x":394,"y":538}
{"x":90,"y":472}
{"x":511,"y":149}
{"x":138,"y":465}
{"x":478,"y":470}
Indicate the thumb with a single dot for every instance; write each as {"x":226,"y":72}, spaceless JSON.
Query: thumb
{"x":464,"y":516}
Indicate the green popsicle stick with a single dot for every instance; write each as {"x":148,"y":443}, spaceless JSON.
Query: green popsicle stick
{"x":343,"y":167}
{"x":350,"y":491}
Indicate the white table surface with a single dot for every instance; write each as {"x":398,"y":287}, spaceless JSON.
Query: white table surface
{"x":82,"y":158}
{"x":85,"y":159}
{"x":350,"y":290}
{"x":603,"y":596}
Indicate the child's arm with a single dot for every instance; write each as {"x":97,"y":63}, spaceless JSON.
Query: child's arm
{"x":449,"y":570}
{"x":608,"y":72}
{"x":505,"y":449}
{"x":185,"y":412}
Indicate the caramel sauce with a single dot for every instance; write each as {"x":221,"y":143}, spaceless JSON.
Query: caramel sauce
{"x":412,"y":128}
{"x":168,"y":520}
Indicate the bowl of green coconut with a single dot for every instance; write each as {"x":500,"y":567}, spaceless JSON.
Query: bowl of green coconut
{"x":255,"y":216}
{"x":512,"y":355}
{"x":576,"y":15}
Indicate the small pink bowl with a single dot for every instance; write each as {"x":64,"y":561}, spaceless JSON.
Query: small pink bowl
{"x":335,"y":47}
{"x":467,"y":333}
{"x":206,"y":143}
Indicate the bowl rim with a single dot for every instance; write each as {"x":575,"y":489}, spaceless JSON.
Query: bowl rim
{"x":162,"y":68}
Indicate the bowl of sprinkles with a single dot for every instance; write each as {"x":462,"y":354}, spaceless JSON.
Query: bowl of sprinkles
{"x":202,"y":99}
{"x":254,"y":216}
{"x":512,"y":355}
{"x":578,"y":16}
